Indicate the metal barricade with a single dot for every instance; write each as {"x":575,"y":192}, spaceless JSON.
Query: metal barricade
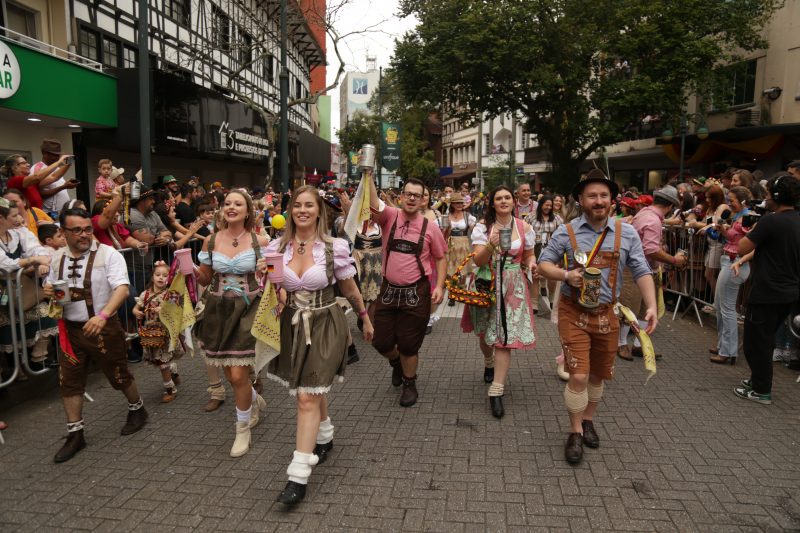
{"x":16,"y":318}
{"x":691,"y":283}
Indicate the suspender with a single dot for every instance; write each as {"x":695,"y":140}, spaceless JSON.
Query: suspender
{"x":614,"y":267}
{"x":419,"y":246}
{"x":87,"y":281}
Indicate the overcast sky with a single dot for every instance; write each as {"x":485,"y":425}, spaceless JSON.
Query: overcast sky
{"x":356,"y":16}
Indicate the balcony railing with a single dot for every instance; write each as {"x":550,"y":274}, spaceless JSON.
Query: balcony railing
{"x":40,"y":46}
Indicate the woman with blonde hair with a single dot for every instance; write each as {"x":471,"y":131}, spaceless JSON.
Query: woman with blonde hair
{"x":314,"y":330}
{"x":228,"y":265}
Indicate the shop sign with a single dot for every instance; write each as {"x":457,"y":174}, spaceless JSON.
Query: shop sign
{"x":9,"y":72}
{"x":241,"y":142}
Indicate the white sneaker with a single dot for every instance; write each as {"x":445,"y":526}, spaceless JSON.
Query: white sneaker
{"x":241,"y":445}
{"x":780,"y":355}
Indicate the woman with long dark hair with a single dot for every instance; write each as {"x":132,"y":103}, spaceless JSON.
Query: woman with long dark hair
{"x":507,"y":324}
{"x":544,"y":224}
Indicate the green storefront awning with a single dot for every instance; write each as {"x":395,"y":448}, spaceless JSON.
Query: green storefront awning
{"x":52,"y":86}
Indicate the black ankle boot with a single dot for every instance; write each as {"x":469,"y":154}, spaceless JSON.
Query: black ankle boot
{"x":322,"y":450}
{"x":397,"y":372}
{"x":292,"y":494}
{"x":352,"y":355}
{"x":75,"y":443}
{"x":488,"y":375}
{"x":496,"y":403}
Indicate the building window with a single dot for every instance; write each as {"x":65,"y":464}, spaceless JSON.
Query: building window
{"x":269,"y":69}
{"x":487,"y":144}
{"x":524,"y":141}
{"x":177,"y":10}
{"x":89,"y":44}
{"x":111,"y":55}
{"x":245,"y":48}
{"x":129,"y":57}
{"x":739,"y":85}
{"x":298,"y":89}
{"x":220,"y":29}
{"x":21,"y":20}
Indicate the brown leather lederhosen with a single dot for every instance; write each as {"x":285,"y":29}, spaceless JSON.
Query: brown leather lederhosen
{"x":77,"y":294}
{"x":402,"y":311}
{"x":602,"y":260}
{"x":108,"y":349}
{"x":406,"y":247}
{"x":589,"y":336}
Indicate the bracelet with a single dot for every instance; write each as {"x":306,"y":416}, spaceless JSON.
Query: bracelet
{"x":103,"y":315}
{"x":362,"y":313}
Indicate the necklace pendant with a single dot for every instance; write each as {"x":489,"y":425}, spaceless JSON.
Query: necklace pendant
{"x":301,"y":250}
{"x":235,"y":243}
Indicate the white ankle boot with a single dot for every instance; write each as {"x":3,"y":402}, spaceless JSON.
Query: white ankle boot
{"x":241,"y":445}
{"x":257,"y":407}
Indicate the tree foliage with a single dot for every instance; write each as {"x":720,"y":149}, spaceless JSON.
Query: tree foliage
{"x":416,"y":157}
{"x":578,"y":71}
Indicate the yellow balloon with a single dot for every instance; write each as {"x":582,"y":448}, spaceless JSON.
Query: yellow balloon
{"x":278,"y":222}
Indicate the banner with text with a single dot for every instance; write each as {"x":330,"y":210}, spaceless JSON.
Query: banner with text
{"x":390,"y":145}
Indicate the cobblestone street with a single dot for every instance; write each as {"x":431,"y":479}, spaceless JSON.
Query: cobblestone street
{"x":681,"y":453}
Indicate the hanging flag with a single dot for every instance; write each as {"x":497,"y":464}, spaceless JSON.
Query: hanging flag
{"x":359,"y":212}
{"x":390,"y":145}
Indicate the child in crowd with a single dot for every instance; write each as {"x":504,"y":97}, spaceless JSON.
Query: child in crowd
{"x":104,"y":185}
{"x":152,"y":333}
{"x":52,"y":237}
{"x":205,"y":212}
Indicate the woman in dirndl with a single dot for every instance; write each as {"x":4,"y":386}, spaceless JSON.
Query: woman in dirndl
{"x":457,"y":227}
{"x":228,"y":263}
{"x":313,"y":329}
{"x":507,"y":324}
{"x":367,"y":255}
{"x":19,"y":248}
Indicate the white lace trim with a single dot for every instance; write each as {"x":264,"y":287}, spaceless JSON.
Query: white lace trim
{"x":228,"y":361}
{"x":41,"y":334}
{"x":305,"y":390}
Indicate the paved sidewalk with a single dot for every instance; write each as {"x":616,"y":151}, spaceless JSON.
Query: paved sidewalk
{"x":679,"y":454}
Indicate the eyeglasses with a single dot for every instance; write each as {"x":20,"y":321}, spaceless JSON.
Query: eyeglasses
{"x":88,"y":230}
{"x":412,"y":195}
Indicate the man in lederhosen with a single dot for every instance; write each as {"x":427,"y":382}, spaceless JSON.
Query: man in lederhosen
{"x":589,"y":334}
{"x":404,"y":302}
{"x":97,"y":281}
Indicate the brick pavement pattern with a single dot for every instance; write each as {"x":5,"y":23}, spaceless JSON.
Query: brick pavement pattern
{"x":679,"y":454}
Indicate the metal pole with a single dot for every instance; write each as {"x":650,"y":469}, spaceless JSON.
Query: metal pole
{"x":380,"y":128}
{"x":284,"y":89}
{"x":683,"y":144}
{"x":144,"y":92}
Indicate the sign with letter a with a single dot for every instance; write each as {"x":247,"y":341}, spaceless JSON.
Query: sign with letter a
{"x":9,"y":72}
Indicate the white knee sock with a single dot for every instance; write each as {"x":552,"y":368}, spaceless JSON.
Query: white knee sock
{"x":243,"y":416}
{"x":300,"y":468}
{"x":325,"y":434}
{"x":624,"y":329}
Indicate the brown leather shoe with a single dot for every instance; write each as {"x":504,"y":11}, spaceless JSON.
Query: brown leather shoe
{"x":590,"y":437}
{"x":637,"y":352}
{"x":573,"y":450}
{"x":75,"y":443}
{"x":397,"y":372}
{"x":136,"y":421}
{"x":212,"y":405}
{"x":624,"y":352}
{"x":408,"y":396}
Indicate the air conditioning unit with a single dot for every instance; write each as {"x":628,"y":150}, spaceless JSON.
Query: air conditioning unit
{"x":748,"y":117}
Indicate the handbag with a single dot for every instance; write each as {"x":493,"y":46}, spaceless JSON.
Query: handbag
{"x":482,"y":296}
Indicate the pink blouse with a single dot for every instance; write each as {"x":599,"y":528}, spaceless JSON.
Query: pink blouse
{"x":315,"y":278}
